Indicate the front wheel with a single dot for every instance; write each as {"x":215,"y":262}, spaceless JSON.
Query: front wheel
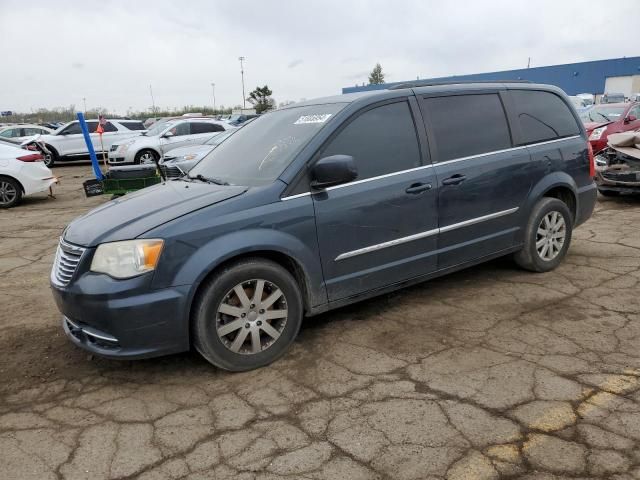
{"x":145,"y":156}
{"x":51,"y":157}
{"x":547,"y":236}
{"x":247,"y":315}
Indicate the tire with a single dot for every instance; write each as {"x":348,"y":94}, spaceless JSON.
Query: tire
{"x":609,"y":193}
{"x":10,"y":192}
{"x":145,"y":156}
{"x":52,"y":158}
{"x":533,"y":255}
{"x":238,"y":347}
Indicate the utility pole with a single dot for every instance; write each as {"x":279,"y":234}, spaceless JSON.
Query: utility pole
{"x":153,"y":102}
{"x":84,"y":100}
{"x":529,"y":62}
{"x":213,"y":90}
{"x":242,"y":59}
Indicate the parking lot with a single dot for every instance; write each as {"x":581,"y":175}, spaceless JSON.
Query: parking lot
{"x":491,"y":372}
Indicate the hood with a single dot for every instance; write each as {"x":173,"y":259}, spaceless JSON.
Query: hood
{"x":591,"y":126}
{"x":199,"y":150}
{"x":132,"y":215}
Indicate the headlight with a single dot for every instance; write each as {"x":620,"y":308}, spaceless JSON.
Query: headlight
{"x":597,"y":133}
{"x":125,"y":146}
{"x":127,"y":259}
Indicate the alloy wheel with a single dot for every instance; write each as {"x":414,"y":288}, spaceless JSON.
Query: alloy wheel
{"x":551,"y":235}
{"x":146,"y":158}
{"x":251,"y":316}
{"x":8,"y":192}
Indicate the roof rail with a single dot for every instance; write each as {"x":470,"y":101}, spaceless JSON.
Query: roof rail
{"x":427,"y":83}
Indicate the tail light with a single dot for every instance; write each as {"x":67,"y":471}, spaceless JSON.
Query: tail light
{"x":592,"y":161}
{"x":32,"y":157}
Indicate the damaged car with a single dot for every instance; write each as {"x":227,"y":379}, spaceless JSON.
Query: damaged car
{"x":618,"y":166}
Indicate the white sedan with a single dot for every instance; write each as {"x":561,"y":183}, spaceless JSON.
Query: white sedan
{"x":22,"y":172}
{"x":22,"y":132}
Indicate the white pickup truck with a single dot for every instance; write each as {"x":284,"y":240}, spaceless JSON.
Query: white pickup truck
{"x":67,"y":143}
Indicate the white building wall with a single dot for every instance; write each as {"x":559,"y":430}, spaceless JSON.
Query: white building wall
{"x":620,"y":85}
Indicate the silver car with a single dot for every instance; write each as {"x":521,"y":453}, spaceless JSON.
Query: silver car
{"x":165,"y":136}
{"x":179,"y":161}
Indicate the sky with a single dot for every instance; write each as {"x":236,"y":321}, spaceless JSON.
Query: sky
{"x":57,"y":52}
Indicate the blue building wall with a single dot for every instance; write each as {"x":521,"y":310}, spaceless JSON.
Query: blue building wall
{"x":573,"y":78}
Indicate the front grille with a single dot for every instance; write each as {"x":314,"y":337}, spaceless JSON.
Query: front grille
{"x":171,"y":172}
{"x":622,"y":177}
{"x":66,"y":262}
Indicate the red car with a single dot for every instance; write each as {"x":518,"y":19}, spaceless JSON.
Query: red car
{"x":607,"y":118}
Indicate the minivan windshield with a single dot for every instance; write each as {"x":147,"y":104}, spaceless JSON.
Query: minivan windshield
{"x":259,"y":152}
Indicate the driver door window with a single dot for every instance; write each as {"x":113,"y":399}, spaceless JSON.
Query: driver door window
{"x":72,"y":129}
{"x":181,"y":129}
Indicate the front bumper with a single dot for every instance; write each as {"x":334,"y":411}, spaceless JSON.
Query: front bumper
{"x":124,"y":319}
{"x":621,"y":182}
{"x":121,"y":158}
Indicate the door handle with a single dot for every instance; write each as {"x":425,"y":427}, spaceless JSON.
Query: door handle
{"x":416,"y":188}
{"x":454,"y":180}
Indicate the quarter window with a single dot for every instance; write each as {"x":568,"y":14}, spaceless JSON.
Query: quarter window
{"x":466,"y":125}
{"x":543,"y":116}
{"x":133,"y":125}
{"x":381,"y":140}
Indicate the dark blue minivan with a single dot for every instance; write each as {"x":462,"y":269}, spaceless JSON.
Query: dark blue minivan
{"x":322,"y":204}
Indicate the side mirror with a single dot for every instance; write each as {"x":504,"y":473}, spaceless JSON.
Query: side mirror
{"x":630,"y":118}
{"x":168,"y":134}
{"x":333,"y":170}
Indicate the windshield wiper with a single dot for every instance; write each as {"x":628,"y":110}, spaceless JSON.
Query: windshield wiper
{"x":603,"y":116}
{"x":202,"y":178}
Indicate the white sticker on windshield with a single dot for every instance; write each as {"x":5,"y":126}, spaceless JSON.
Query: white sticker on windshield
{"x":313,"y":118}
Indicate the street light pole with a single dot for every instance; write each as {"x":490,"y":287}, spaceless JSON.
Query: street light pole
{"x":242,"y":59}
{"x":213,"y":90}
{"x":153,"y":102}
{"x":84,"y":100}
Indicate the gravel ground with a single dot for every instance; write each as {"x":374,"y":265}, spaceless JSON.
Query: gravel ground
{"x":488,"y":373}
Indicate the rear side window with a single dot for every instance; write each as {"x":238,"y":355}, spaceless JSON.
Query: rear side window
{"x":543,"y":116}
{"x":466,"y":125}
{"x":133,"y":125}
{"x":34,"y":131}
{"x":206,"y":128}
{"x":381,"y":140}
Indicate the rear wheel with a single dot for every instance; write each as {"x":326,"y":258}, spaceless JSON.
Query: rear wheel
{"x":145,"y":156}
{"x":10,"y":192}
{"x":547,"y":236}
{"x":248,"y":315}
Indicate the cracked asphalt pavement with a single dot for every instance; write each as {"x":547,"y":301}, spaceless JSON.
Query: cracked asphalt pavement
{"x":489,"y":373}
